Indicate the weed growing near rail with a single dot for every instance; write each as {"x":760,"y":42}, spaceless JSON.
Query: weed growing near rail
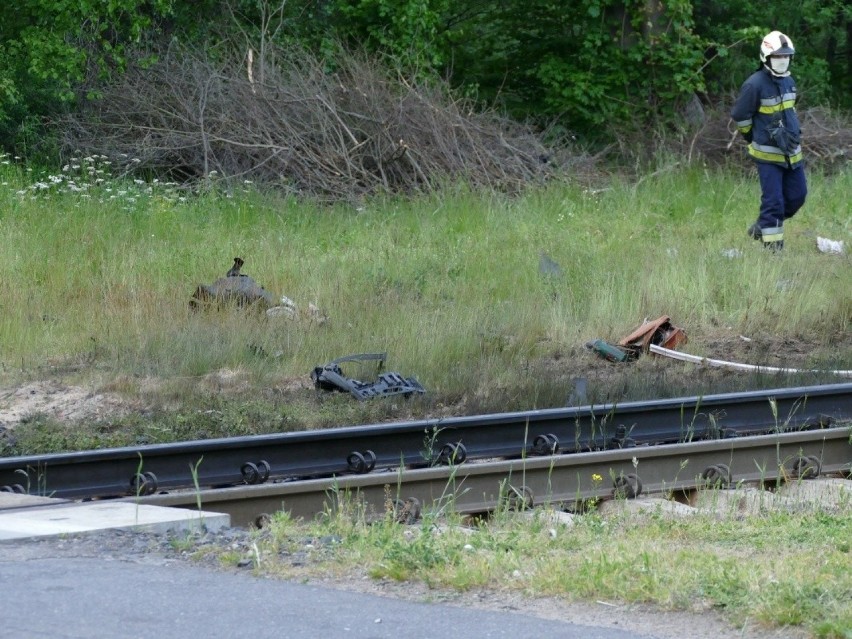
{"x":773,"y":570}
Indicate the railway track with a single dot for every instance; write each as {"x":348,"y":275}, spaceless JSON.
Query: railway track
{"x":427,"y":445}
{"x":559,"y":480}
{"x":524,"y":459}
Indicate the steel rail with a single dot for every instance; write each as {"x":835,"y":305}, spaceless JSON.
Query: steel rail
{"x":360,"y":449}
{"x":559,"y":480}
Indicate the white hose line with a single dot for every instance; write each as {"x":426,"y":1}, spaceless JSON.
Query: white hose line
{"x":706,"y":361}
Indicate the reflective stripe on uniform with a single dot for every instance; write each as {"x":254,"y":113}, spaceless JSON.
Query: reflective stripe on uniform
{"x":744,"y":126}
{"x":778,"y":107}
{"x":769,"y":153}
{"x":772,"y":234}
{"x":778,"y":103}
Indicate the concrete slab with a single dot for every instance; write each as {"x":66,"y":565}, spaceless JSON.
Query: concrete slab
{"x":823,"y":492}
{"x":93,"y":516}
{"x":17,"y":500}
{"x":142,"y":595}
{"x":741,"y":502}
{"x":646,"y":505}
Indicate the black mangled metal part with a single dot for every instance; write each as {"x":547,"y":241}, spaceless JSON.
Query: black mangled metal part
{"x":235,"y":289}
{"x":331,"y":378}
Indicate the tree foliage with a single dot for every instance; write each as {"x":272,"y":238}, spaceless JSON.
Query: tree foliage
{"x":821,"y":31}
{"x":594,"y":64}
{"x":593,"y":67}
{"x":50,"y":49}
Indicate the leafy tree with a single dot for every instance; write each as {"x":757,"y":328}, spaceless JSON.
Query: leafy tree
{"x":594,"y":64}
{"x":51,"y":49}
{"x":410,"y":30}
{"x":591,"y":66}
{"x":821,"y":31}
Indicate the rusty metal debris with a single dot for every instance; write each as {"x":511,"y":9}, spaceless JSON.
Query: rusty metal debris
{"x":608,"y":351}
{"x":658,"y":332}
{"x":239,"y":290}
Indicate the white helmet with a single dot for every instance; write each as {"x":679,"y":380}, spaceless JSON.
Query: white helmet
{"x":776,"y":44}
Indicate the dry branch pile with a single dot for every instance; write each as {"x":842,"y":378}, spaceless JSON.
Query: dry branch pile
{"x":286,"y":121}
{"x":826,"y":139}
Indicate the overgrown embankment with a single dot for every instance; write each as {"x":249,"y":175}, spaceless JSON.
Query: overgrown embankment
{"x":487,"y":300}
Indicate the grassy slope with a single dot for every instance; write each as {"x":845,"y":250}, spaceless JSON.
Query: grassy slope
{"x":95,"y":287}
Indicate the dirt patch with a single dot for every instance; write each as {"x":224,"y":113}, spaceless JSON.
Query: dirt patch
{"x":568,"y":373}
{"x":58,"y":401}
{"x":662,"y":624}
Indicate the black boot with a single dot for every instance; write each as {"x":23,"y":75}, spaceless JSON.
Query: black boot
{"x":754,"y":232}
{"x":774,"y":246}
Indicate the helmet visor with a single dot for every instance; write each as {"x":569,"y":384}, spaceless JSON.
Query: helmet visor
{"x":786,"y":47}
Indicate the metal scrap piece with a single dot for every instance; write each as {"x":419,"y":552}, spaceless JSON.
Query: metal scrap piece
{"x":660,"y":332}
{"x":331,"y":377}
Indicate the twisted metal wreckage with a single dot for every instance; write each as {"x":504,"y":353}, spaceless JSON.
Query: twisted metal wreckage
{"x":331,"y":377}
{"x":239,"y":290}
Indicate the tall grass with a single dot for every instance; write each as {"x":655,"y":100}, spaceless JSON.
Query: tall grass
{"x":449,"y":285}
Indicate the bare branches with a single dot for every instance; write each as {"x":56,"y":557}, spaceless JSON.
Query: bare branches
{"x":826,"y":139}
{"x":334,"y":134}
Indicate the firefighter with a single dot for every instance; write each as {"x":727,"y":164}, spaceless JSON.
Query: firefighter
{"x":765,"y":115}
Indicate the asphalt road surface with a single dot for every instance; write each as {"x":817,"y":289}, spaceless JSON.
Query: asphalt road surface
{"x":64,"y":597}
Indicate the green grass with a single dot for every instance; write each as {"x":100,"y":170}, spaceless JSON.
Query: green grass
{"x":94,"y":286}
{"x":773,"y":570}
